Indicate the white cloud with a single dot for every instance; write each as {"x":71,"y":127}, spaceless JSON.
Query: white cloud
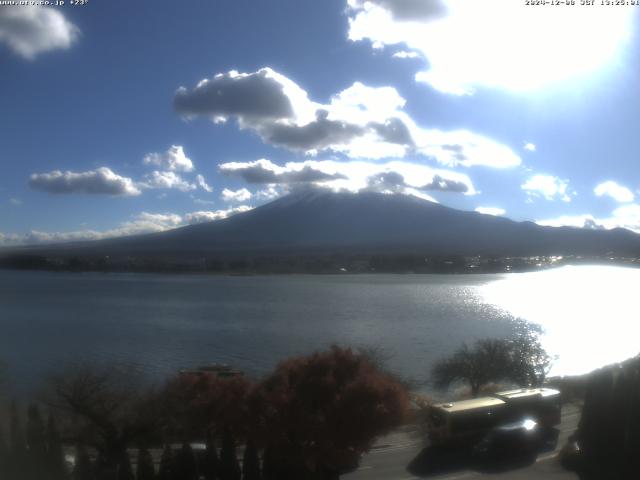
{"x":491,"y":211}
{"x":617,"y":192}
{"x":264,"y":171}
{"x":530,"y":147}
{"x":282,"y":114}
{"x":406,"y":54}
{"x":461,"y":147}
{"x":547,"y":187}
{"x":202,"y":183}
{"x":271,"y":192}
{"x":359,"y":122}
{"x":405,"y":10}
{"x":174,"y":159}
{"x":102,"y":181}
{"x":470,"y":44}
{"x":202,"y":216}
{"x":626,"y":216}
{"x":171,"y":161}
{"x":169,"y":180}
{"x":209,"y":216}
{"x":144,"y":222}
{"x":354,"y":176}
{"x":151,"y":222}
{"x":15,"y":201}
{"x":444,"y":84}
{"x":389,"y":181}
{"x":31,"y":30}
{"x":241,"y":195}
{"x":249,"y":97}
{"x":578,"y":221}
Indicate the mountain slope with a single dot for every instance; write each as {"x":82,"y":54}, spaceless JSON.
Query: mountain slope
{"x":321,"y":222}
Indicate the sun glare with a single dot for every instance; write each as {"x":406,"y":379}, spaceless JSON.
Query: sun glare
{"x":504,"y":43}
{"x":588,"y":312}
{"x":527,"y":48}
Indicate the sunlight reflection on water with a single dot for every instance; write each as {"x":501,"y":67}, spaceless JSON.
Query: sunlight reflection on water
{"x":589,"y":313}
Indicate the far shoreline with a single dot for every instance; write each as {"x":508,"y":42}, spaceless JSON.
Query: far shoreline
{"x":330,"y":265}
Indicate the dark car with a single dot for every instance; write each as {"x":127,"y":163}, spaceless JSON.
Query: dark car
{"x":511,"y":441}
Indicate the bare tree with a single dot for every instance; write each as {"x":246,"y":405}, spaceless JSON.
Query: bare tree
{"x":106,"y":408}
{"x":530,"y":362}
{"x":520,"y":359}
{"x":476,"y":366}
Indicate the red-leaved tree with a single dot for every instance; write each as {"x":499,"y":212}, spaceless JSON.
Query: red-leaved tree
{"x":324,"y":410}
{"x":197,"y":405}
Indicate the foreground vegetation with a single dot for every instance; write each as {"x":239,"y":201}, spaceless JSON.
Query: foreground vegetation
{"x":608,"y":436}
{"x":311,"y":418}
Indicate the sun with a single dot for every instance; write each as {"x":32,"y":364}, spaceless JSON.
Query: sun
{"x":505,"y":43}
{"x":523,"y":47}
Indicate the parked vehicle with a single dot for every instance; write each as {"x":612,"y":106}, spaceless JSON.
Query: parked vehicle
{"x":465,"y":422}
{"x":517,"y":440}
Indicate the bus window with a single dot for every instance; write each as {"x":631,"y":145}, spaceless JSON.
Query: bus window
{"x":474,"y":422}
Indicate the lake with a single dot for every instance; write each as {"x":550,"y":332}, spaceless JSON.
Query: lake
{"x":156,"y":324}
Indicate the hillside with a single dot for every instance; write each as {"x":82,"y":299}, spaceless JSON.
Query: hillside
{"x":368,"y":223}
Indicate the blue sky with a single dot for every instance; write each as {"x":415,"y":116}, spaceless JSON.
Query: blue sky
{"x":124,"y":117}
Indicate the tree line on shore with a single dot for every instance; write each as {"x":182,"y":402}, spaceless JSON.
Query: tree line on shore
{"x":282,"y":264}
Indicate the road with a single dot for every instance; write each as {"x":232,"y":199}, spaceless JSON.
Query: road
{"x":403,"y":456}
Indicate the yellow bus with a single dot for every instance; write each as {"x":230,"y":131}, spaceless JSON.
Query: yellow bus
{"x":462,"y":422}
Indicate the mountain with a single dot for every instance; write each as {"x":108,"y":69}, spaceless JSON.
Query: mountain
{"x":322,"y":222}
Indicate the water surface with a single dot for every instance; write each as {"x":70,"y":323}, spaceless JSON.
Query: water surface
{"x":590,"y":314}
{"x":157,"y":324}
